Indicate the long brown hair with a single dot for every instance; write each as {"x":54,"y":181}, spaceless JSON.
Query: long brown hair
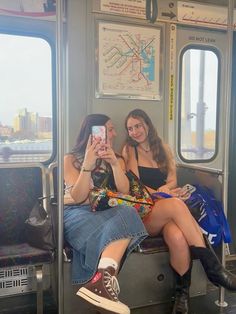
{"x":155,"y":142}
{"x":85,"y":130}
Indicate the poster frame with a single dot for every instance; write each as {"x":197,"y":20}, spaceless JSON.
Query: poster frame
{"x":101,"y":91}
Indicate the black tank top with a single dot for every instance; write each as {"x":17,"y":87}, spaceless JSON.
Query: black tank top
{"x":151,"y":177}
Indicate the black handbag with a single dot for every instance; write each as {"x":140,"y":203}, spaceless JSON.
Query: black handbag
{"x":39,"y":228}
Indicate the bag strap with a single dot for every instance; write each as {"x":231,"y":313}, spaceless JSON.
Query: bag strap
{"x":132,"y":176}
{"x":158,"y":195}
{"x":136,"y":153}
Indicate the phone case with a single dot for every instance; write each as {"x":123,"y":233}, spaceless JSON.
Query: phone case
{"x":99,"y":134}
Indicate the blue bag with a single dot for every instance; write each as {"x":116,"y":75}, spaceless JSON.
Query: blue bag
{"x":209,"y":214}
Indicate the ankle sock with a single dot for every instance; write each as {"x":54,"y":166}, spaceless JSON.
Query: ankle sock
{"x":106,"y":262}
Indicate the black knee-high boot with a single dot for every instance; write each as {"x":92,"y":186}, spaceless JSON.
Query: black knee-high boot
{"x":215,"y":272}
{"x":181,"y":301}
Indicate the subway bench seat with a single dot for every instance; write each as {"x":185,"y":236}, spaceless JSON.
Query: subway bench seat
{"x":148,"y":279}
{"x":145,"y":278}
{"x":23,"y":268}
{"x":23,"y":254}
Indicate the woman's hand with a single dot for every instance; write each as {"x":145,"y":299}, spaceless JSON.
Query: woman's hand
{"x":181,"y":193}
{"x":176,"y":192}
{"x":164,"y":189}
{"x":108,"y":155}
{"x":118,"y":169}
{"x":91,"y":154}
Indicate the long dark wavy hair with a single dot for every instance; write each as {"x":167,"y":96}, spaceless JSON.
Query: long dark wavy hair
{"x":84,"y":133}
{"x":155,"y":142}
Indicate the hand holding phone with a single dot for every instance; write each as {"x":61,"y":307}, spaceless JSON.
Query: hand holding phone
{"x":186,"y":191}
{"x":99,"y":134}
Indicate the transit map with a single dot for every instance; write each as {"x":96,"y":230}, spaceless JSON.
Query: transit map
{"x":129,"y":61}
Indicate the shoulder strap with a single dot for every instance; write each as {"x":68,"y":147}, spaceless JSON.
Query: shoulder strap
{"x":136,"y":153}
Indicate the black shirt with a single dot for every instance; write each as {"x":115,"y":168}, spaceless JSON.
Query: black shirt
{"x":151,"y":177}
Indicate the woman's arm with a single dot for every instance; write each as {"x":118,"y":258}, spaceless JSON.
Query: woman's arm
{"x":130,"y":160}
{"x":80,"y":180}
{"x":118,"y":169}
{"x":121,"y":180}
{"x":171,"y":181}
{"x":125,"y":155}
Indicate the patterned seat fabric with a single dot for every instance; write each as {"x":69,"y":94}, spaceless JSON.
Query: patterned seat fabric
{"x":20,"y":188}
{"x":153,"y":245}
{"x":23,"y":254}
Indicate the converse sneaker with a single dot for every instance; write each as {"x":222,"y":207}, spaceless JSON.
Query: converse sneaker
{"x":102,"y":290}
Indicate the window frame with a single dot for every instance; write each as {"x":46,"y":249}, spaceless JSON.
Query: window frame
{"x":44,"y":30}
{"x":179,"y":109}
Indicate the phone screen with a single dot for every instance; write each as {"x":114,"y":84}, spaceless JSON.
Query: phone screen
{"x":99,"y":133}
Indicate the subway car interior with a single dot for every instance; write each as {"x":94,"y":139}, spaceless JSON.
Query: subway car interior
{"x":63,"y":59}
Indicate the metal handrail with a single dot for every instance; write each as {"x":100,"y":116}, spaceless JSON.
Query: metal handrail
{"x":221,"y":301}
{"x":201,"y":168}
{"x":60,"y":146}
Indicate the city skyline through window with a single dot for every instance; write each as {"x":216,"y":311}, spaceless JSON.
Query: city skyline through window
{"x":26,"y":94}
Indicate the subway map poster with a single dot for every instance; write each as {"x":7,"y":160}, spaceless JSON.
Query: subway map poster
{"x":128,"y":61}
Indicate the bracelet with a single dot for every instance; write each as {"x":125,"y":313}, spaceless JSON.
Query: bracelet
{"x":85,"y":170}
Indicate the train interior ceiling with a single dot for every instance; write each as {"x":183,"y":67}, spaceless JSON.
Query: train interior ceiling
{"x":57,"y":65}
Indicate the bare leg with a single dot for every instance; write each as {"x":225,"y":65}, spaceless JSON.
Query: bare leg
{"x":116,"y":249}
{"x":181,"y":264}
{"x":174,"y":210}
{"x":103,"y":289}
{"x":178,"y":247}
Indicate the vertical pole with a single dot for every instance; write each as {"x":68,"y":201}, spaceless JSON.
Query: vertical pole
{"x":221,"y":301}
{"x":200,"y":123}
{"x":60,"y":146}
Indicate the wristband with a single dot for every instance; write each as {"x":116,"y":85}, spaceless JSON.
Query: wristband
{"x":85,"y":170}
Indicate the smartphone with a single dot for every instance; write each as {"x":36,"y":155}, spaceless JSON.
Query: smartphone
{"x":188,"y":188}
{"x":186,"y":191}
{"x":99,"y":133}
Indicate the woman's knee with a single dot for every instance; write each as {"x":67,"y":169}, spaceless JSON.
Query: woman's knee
{"x":172,"y":206}
{"x":174,"y":236}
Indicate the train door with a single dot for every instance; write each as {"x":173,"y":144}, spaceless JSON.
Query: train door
{"x":201,"y":95}
{"x":201,"y":55}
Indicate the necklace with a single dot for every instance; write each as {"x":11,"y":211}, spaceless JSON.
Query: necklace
{"x":147,"y":150}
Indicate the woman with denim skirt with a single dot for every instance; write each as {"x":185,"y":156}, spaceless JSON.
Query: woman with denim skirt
{"x":100,"y":240}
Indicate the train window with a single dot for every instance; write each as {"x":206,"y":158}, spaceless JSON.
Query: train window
{"x":25,"y":99}
{"x":198,"y":105}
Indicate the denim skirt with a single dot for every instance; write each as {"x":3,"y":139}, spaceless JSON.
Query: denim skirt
{"x":89,"y":233}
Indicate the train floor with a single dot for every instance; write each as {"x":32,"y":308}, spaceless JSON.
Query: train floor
{"x":205,"y":304}
{"x":198,"y":305}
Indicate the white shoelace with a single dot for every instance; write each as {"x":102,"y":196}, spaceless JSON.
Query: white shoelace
{"x":112,"y":284}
